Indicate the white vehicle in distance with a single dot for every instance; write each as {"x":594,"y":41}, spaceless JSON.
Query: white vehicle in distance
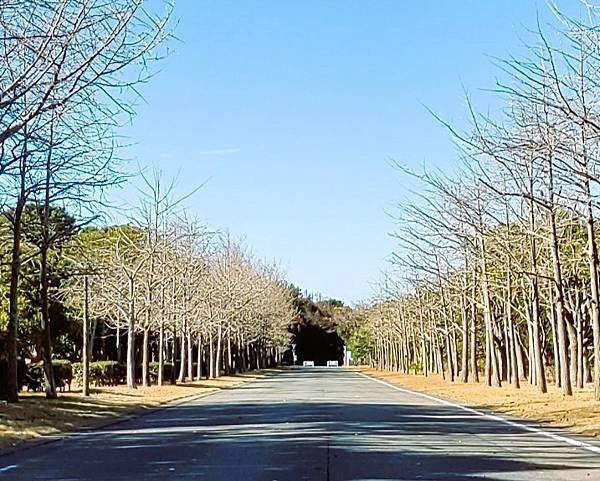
{"x":308,"y":363}
{"x":333,"y":364}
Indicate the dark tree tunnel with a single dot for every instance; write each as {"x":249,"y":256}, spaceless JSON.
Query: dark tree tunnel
{"x":318,"y":344}
{"x":314,"y":335}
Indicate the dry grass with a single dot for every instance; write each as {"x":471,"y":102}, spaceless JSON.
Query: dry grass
{"x":36,"y":416}
{"x":579,"y":414}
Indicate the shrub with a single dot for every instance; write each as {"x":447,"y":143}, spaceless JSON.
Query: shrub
{"x":77,"y":373}
{"x":167,"y":371}
{"x":63,"y":375}
{"x":107,"y":373}
{"x":177,"y":367}
{"x":102,"y":373}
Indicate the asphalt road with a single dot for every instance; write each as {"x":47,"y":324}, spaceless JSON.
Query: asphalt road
{"x":307,"y":424}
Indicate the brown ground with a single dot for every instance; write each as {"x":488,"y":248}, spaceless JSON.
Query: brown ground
{"x":36,"y":416}
{"x":579,"y":413}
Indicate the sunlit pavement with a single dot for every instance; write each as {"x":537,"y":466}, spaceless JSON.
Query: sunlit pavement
{"x":306,"y":424}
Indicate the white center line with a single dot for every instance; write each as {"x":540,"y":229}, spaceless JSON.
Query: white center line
{"x":8,"y":468}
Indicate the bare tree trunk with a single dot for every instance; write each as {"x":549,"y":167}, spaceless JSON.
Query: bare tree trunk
{"x":190,"y":356}
{"x":161,"y":352}
{"x":199,"y":358}
{"x":131,"y":336}
{"x":446,"y":325}
{"x":572,"y":337}
{"x":592,"y":248}
{"x":118,"y":343}
{"x":440,"y":360}
{"x":555,"y":354}
{"x":242,"y":354}
{"x":531,"y":370}
{"x":538,"y":361}
{"x":174,"y":347}
{"x":229,"y":369}
{"x":145,"y":359}
{"x":520,"y":361}
{"x":85,"y":351}
{"x":473,"y":327}
{"x":565,"y":378}
{"x":46,"y":348}
{"x":492,"y":374}
{"x":455,"y":351}
{"x":464,"y":372}
{"x":595,"y":291}
{"x":587,"y":375}
{"x":424,"y":365}
{"x":211,"y":356}
{"x":182,"y":361}
{"x":13,"y":296}
{"x":512,"y":341}
{"x":579,"y":337}
{"x":218,"y":352}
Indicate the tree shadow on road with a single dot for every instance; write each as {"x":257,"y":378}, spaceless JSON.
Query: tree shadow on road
{"x":314,"y":440}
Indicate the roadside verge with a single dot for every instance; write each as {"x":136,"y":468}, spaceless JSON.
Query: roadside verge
{"x":579,"y":414}
{"x":35,"y":420}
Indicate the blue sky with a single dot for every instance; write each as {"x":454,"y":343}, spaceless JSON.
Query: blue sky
{"x":290,"y":111}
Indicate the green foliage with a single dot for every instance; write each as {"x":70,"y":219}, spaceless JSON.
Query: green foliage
{"x":415,"y":367}
{"x":111,"y":373}
{"x":65,"y":328}
{"x":63,"y":375}
{"x":69,"y":248}
{"x":332,"y":303}
{"x":61,"y":226}
{"x":168,"y":368}
{"x":360,"y":342}
{"x":295,"y":291}
{"x":102,"y":373}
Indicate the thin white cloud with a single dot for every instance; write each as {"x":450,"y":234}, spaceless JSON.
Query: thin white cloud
{"x":219,"y":152}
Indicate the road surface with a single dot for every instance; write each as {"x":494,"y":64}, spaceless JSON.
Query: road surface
{"x":307,"y":424}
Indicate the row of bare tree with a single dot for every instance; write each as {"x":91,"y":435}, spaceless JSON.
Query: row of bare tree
{"x":69,"y":70}
{"x":180,"y":287}
{"x":497,"y":265}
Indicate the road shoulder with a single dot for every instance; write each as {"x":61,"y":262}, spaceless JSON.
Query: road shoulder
{"x":579,"y":414}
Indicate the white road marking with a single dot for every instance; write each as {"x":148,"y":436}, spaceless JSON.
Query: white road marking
{"x":8,"y":468}
{"x":557,"y":437}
